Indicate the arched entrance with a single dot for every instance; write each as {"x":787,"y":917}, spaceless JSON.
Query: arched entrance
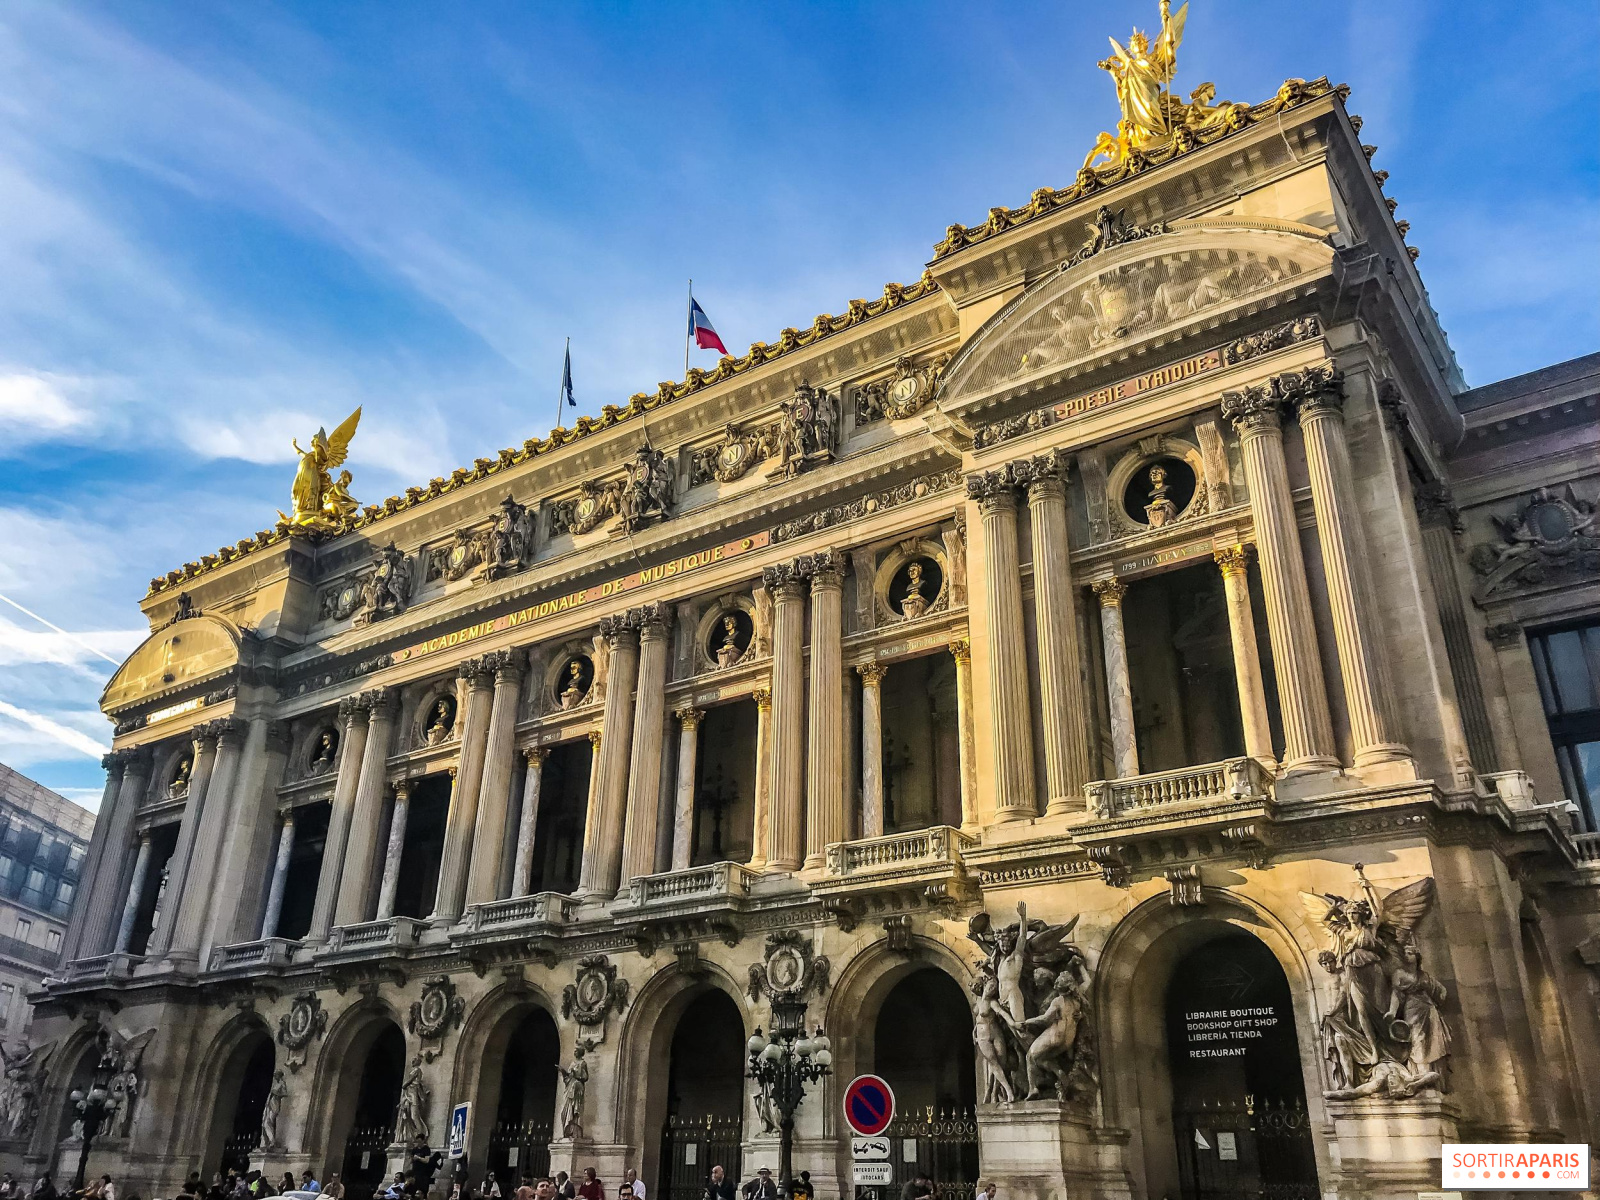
{"x":367,"y":1103}
{"x":922,"y":1045}
{"x":242,"y":1089}
{"x":517,"y":1088}
{"x":705,"y":1095}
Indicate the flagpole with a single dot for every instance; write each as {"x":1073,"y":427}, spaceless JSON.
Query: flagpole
{"x":561,"y":397}
{"x":688,"y":329}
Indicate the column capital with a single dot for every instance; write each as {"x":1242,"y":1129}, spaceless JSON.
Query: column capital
{"x":783,"y":581}
{"x":206,"y":732}
{"x":454,"y":771}
{"x":689,"y":718}
{"x":620,"y":628}
{"x":763,"y":698}
{"x":229,"y":729}
{"x":506,"y":666}
{"x":534,"y":756}
{"x":402,"y":788}
{"x":1436,"y":507}
{"x":993,"y":490}
{"x":1317,"y":391}
{"x":1233,"y":559}
{"x":382,"y":702}
{"x":476,"y":672}
{"x":961,"y":650}
{"x":119,"y":761}
{"x":871,"y":673}
{"x":1253,"y":410}
{"x":286,"y":815}
{"x":1110,"y":590}
{"x":654,"y":620}
{"x":1044,"y":475}
{"x":595,"y":736}
{"x":825,"y":569}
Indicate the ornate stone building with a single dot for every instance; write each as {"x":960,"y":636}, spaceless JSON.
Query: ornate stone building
{"x":1124,"y":682}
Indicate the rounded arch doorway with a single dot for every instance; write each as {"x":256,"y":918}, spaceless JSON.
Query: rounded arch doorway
{"x":1239,"y":1119}
{"x":517,"y":1089}
{"x":922,"y":1046}
{"x":242,"y":1090}
{"x":366,"y":1106}
{"x":705,"y":1096}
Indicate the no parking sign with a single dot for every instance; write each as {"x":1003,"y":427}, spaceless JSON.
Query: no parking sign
{"x":868,"y":1105}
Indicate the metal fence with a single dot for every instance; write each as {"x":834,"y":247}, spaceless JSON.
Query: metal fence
{"x":365,"y":1160}
{"x":1245,"y":1150}
{"x":690,"y":1147}
{"x":518,"y":1148}
{"x":939,"y":1143}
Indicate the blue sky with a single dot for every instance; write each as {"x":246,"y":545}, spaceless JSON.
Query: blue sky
{"x":223,"y":225}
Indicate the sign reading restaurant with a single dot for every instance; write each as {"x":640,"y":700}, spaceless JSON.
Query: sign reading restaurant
{"x":600,"y":591}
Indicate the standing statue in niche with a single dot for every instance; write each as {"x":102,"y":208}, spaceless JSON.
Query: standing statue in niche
{"x":1384,"y":1035}
{"x":272,"y":1111}
{"x":411,"y":1121}
{"x":1161,"y":509}
{"x":1033,"y":1013}
{"x":574,"y":1083}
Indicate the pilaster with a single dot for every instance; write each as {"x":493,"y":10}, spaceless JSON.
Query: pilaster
{"x":1119,"y":685}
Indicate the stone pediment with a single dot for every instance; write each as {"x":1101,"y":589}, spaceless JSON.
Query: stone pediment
{"x":1145,"y":289}
{"x":185,"y":652}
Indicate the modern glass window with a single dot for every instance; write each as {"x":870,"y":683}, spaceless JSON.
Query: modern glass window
{"x":1567,"y":663}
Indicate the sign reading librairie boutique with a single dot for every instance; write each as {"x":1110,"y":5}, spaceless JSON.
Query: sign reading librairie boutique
{"x":1228,"y":1032}
{"x":589,"y":595}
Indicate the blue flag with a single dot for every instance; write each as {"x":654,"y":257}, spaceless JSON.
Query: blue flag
{"x":566,"y":379}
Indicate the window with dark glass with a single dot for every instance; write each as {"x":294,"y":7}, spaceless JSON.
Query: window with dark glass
{"x":1567,"y":663}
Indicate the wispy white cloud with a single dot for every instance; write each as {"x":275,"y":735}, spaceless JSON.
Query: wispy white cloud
{"x":35,"y":405}
{"x":72,"y":738}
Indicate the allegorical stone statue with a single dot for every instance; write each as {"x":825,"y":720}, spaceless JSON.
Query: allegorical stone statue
{"x":647,"y":489}
{"x":1031,"y":1025}
{"x":320,"y":503}
{"x":125,"y":1056}
{"x":806,"y":429}
{"x":386,"y":589}
{"x":1161,"y":509}
{"x":914,"y":603}
{"x":574,"y":1082}
{"x":21,"y":1078}
{"x":1384,"y":1035}
{"x":510,"y":538}
{"x":728,"y":652}
{"x":411,"y":1121}
{"x":272,"y":1111}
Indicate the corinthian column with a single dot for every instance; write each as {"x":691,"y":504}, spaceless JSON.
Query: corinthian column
{"x":461,"y":821}
{"x":1009,"y":721}
{"x":361,"y":850}
{"x":494,"y":793}
{"x":352,"y":749}
{"x":1066,"y":725}
{"x":280,"y":876}
{"x":761,"y":817}
{"x":1374,"y":727}
{"x":93,"y":872}
{"x":1302,"y":692}
{"x":528,"y":823}
{"x":683,"y":806}
{"x":602,"y":837}
{"x":1119,"y":686}
{"x":961,"y":651}
{"x":649,"y":728}
{"x":194,"y":902}
{"x":788,"y":705}
{"x":205,"y":759}
{"x":1233,"y":561}
{"x":871,"y":748}
{"x":825,"y":814}
{"x":130,"y":910}
{"x":127,"y":774}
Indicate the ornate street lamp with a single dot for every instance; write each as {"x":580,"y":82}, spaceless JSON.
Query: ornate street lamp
{"x":783,"y":1064}
{"x":95,"y":1107}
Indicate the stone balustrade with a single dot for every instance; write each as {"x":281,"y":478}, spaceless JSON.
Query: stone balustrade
{"x":541,"y":908}
{"x":940,"y":845}
{"x":1232,"y":779}
{"x":1587,"y":848}
{"x":265,"y":952}
{"x":393,"y":934}
{"x":723,"y":881}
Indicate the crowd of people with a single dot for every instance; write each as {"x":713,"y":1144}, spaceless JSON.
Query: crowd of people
{"x":44,"y":1188}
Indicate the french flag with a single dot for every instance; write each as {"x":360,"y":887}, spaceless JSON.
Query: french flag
{"x":705,"y":337}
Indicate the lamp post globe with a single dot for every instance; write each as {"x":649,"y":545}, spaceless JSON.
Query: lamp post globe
{"x":783,"y":1065}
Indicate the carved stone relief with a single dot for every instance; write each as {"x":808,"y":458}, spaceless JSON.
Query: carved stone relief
{"x":435,"y":1014}
{"x":642,"y":495}
{"x":868,"y":505}
{"x":595,"y":994}
{"x":789,"y":969}
{"x":303,"y":1024}
{"x":900,"y":394}
{"x":1551,"y":538}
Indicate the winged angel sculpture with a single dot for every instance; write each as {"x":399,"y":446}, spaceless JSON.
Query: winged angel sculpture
{"x":1384,"y":1035}
{"x":322,"y":502}
{"x":1031,"y":1025}
{"x":22,"y":1074}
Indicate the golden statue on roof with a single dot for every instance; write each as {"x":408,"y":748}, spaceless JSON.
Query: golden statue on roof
{"x":320,"y":502}
{"x":1151,"y":116}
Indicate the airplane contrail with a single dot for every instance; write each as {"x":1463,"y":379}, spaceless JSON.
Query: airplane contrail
{"x":78,"y":741}
{"x":51,"y":625}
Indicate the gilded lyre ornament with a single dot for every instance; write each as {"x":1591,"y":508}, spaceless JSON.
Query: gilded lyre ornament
{"x":1151,"y":115}
{"x":321,"y":502}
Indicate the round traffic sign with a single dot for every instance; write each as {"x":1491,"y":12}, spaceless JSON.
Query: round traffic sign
{"x":868,"y":1105}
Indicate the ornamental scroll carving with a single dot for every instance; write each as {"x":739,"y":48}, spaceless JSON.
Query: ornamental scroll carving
{"x":595,"y":994}
{"x":1032,"y":1018}
{"x":901,"y":394}
{"x":486,"y":551}
{"x":866,"y":506}
{"x":803,"y":434}
{"x":640,"y":497}
{"x":435,"y":1014}
{"x":1384,"y":1036}
{"x":789,"y":969}
{"x":303,"y":1024}
{"x":1551,"y":538}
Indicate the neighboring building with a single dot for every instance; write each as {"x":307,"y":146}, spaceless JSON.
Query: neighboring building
{"x":1166,"y":581}
{"x":43,"y":840}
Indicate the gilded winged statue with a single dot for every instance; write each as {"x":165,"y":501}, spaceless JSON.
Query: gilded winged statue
{"x":1384,"y":1035}
{"x":321,"y":502}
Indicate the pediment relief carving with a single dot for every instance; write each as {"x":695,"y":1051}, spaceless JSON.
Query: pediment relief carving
{"x":1553,"y":537}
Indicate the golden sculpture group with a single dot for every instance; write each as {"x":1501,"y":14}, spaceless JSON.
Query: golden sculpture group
{"x":321,"y":502}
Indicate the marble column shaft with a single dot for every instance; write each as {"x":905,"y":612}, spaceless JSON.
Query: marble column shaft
{"x":1119,"y":685}
{"x":462,"y":821}
{"x":1066,"y":724}
{"x":1010,"y":722}
{"x":494,"y":792}
{"x":761,"y":817}
{"x":130,"y":910}
{"x":644,"y":760}
{"x":602,"y":840}
{"x":356,"y":900}
{"x":1291,"y":626}
{"x":785,"y":778}
{"x":528,"y":821}
{"x":216,"y":813}
{"x":280,"y":876}
{"x":205,"y":759}
{"x":94,"y":872}
{"x":1234,"y":564}
{"x":1437,"y":515}
{"x":871,"y":748}
{"x":1363,"y":661}
{"x":961,"y":651}
{"x":683,"y":797}
{"x":352,"y":752}
{"x":826,"y":820}
{"x":130,"y":771}
{"x":394,"y":849}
